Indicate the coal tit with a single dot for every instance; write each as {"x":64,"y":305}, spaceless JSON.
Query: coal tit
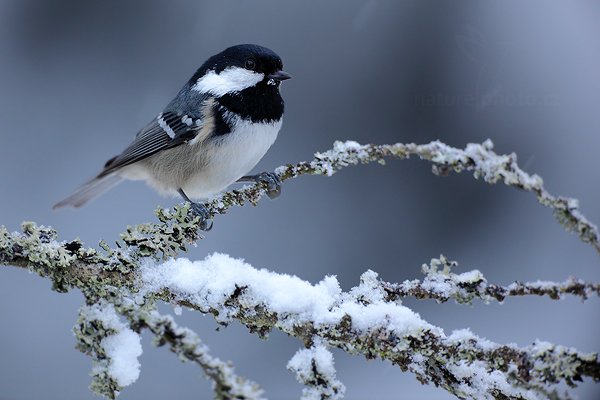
{"x":217,"y":128}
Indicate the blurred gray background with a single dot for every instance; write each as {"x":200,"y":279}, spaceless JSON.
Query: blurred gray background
{"x":79,"y":78}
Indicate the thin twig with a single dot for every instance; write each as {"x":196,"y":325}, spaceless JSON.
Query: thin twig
{"x":442,"y":285}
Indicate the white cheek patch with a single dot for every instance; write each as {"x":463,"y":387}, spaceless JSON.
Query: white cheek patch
{"x":230,"y":80}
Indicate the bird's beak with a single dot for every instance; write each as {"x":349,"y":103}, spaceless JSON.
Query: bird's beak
{"x":279,"y":76}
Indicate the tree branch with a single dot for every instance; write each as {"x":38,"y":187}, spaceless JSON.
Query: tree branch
{"x":443,"y":285}
{"x":363,"y":321}
{"x":368,"y":320}
{"x":188,"y":346}
{"x":103,"y":336}
{"x":314,"y":368}
{"x":178,"y":226}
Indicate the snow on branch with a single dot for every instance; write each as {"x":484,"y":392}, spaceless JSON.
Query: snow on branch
{"x":115,"y":346}
{"x":478,"y":158}
{"x":314,"y":368}
{"x":178,"y":227}
{"x":443,"y":285}
{"x":188,"y":346}
{"x":362,"y":321}
{"x":122,"y":284}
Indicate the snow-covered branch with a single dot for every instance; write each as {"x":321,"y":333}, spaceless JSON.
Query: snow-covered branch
{"x":115,"y":346}
{"x":122,"y":284}
{"x":188,"y":346}
{"x":442,"y":285}
{"x":362,"y":321}
{"x":478,"y":158}
{"x":314,"y":368}
{"x":178,"y":226}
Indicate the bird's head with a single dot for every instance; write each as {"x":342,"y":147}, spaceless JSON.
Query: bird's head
{"x":238,"y":68}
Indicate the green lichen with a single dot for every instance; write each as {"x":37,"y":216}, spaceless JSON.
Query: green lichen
{"x":89,"y":334}
{"x":178,"y":229}
{"x":103,"y":274}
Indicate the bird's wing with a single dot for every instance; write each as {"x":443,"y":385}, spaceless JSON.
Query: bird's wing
{"x":168,"y":130}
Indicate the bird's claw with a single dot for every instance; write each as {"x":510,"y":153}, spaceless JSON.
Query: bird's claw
{"x":201,"y":211}
{"x":273,"y":183}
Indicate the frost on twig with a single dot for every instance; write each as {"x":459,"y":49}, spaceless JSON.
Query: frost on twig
{"x":443,"y":285}
{"x":314,"y":369}
{"x":362,"y":321}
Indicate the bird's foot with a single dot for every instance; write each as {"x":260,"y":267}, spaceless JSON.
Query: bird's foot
{"x":202,"y":212}
{"x":272,"y":181}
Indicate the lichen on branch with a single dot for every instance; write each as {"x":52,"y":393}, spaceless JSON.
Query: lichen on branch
{"x":314,"y":369}
{"x":365,"y":321}
{"x":178,"y":227}
{"x":122,"y":284}
{"x":441,"y":284}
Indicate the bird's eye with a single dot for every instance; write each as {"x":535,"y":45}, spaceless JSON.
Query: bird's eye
{"x":250,"y":64}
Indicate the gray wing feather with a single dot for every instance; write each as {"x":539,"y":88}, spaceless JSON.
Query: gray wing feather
{"x":91,"y":189}
{"x":151,"y":139}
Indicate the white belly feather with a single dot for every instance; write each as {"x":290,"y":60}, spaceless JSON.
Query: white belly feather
{"x":206,"y":168}
{"x":232,"y":156}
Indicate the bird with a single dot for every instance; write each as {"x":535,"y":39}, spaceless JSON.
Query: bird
{"x":215,"y":130}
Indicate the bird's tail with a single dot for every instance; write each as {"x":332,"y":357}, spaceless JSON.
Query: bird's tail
{"x":90,"y":190}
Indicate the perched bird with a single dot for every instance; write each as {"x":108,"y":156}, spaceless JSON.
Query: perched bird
{"x":217,"y":128}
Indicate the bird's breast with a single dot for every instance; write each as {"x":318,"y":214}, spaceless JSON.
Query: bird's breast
{"x":229,"y":157}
